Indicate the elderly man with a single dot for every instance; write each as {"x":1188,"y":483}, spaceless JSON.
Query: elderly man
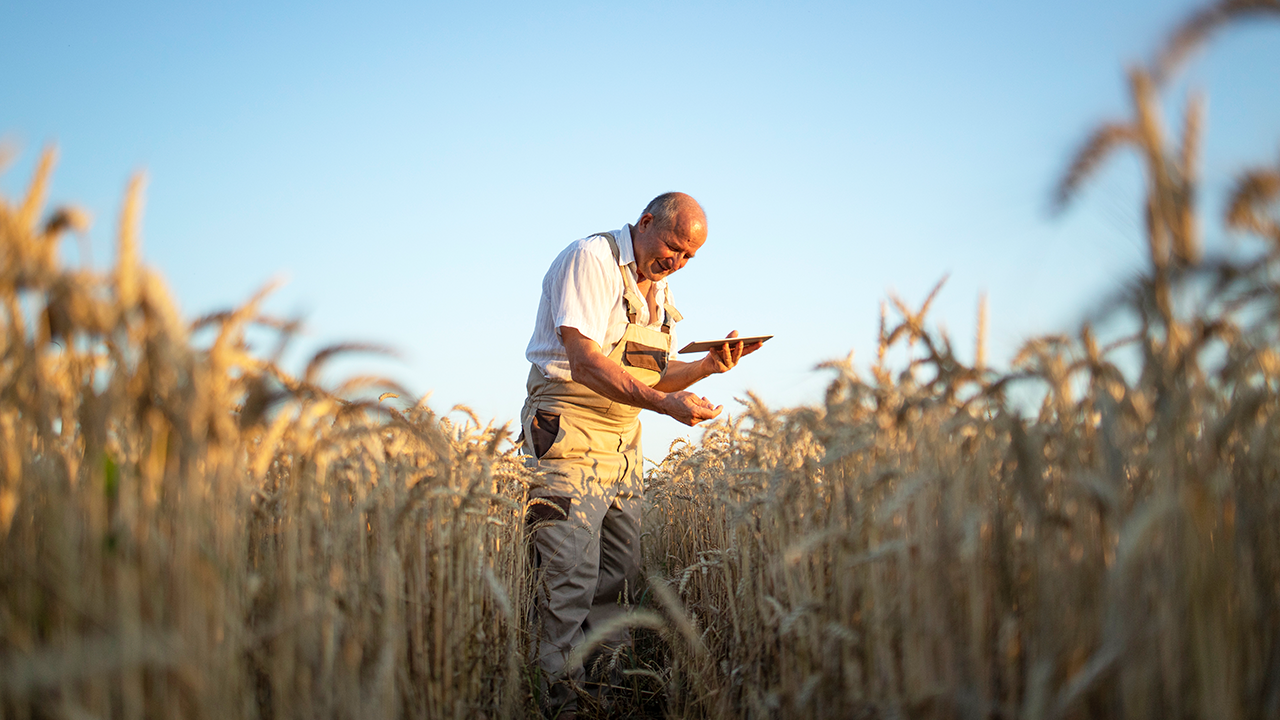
{"x":602,"y":351}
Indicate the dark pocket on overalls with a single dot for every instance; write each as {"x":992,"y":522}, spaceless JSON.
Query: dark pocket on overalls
{"x":547,"y":509}
{"x":544,"y":428}
{"x":644,"y":357}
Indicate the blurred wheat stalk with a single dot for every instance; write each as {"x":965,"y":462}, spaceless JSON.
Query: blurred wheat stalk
{"x":915,"y":548}
{"x":190,"y":532}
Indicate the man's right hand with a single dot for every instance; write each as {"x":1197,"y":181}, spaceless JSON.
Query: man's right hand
{"x":689,"y":408}
{"x":590,"y":367}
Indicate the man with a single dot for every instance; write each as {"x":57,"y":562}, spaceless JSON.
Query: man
{"x":601,"y":351}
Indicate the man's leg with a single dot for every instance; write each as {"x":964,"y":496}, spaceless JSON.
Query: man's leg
{"x":567,"y":556}
{"x":580,"y":472}
{"x":619,"y":567}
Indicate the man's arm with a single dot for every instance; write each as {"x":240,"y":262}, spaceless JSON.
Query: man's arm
{"x":589,"y":366}
{"x":681,"y":375}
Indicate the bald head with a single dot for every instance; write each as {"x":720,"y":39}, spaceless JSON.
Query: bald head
{"x":676,"y":211}
{"x":670,"y":230}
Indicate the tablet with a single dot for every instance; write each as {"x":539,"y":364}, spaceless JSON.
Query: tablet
{"x":705,"y":345}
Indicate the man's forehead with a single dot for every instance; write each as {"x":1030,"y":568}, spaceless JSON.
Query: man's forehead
{"x":691,"y":244}
{"x":692,"y":226}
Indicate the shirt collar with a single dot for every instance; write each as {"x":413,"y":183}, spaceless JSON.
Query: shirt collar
{"x":626,"y":252}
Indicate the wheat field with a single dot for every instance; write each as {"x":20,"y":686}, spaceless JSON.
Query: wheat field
{"x":189,"y":530}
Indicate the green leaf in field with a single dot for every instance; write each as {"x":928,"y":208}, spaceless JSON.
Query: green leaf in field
{"x":110,"y":475}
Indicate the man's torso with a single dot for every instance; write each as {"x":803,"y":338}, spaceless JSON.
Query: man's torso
{"x":584,"y":289}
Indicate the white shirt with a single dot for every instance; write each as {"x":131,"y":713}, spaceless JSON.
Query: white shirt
{"x":583,"y":290}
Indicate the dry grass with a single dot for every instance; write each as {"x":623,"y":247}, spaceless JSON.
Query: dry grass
{"x":914,"y":549}
{"x":189,"y":531}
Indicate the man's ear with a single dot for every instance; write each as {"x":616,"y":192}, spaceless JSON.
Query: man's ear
{"x":644,"y":221}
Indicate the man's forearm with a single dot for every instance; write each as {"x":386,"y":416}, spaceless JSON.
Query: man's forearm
{"x":590,"y":367}
{"x":610,"y":380}
{"x":681,"y":375}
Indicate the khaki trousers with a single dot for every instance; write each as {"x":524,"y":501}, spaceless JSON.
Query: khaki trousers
{"x":585,"y":521}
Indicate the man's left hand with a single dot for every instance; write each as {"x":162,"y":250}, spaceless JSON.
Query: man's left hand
{"x":725,"y":357}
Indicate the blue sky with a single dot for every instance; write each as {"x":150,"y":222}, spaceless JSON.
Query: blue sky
{"x":412,"y":169}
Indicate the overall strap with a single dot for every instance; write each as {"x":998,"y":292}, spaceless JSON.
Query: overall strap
{"x":630,"y":300}
{"x":670,"y":315}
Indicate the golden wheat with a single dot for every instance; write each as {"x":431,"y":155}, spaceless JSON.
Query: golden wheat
{"x":189,"y":531}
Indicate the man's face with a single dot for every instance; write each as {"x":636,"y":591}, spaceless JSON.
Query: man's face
{"x":661,"y":251}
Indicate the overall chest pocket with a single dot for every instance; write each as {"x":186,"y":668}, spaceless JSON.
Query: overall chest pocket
{"x":642,"y":356}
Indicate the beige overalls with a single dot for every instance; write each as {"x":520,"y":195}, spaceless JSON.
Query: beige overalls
{"x":586,"y":513}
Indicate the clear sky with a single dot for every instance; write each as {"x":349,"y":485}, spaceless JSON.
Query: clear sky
{"x":412,"y":169}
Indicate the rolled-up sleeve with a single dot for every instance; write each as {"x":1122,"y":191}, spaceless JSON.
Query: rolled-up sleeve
{"x":581,"y":293}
